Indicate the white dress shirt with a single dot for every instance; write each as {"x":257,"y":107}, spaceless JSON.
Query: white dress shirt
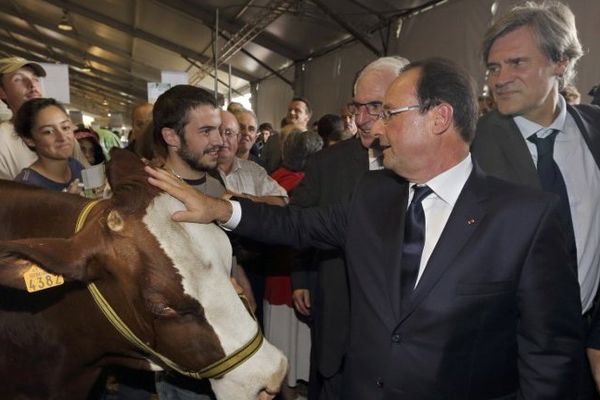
{"x":439,"y":204}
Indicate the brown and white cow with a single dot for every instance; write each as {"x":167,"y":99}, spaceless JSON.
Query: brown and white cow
{"x":167,"y":281}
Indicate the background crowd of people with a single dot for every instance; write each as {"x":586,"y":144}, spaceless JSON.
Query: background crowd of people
{"x":515,"y":317}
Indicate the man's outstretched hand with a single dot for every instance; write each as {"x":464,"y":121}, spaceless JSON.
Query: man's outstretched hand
{"x":200,"y":208}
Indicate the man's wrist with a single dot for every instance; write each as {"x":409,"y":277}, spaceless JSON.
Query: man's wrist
{"x":231,"y":216}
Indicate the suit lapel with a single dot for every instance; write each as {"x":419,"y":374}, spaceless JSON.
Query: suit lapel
{"x":467,"y":213}
{"x":515,"y":153}
{"x":394,"y":236}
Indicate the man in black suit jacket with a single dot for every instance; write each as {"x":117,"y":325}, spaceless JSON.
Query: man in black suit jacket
{"x":530,"y":54}
{"x":331,"y":176}
{"x":493,"y":312}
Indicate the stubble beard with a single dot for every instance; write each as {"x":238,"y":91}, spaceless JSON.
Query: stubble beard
{"x":193,"y":160}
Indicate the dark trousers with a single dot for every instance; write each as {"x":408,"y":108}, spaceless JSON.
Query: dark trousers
{"x":587,"y":386}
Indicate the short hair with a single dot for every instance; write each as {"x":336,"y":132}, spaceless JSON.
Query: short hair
{"x":25,"y":117}
{"x":246,"y":111}
{"x":393,"y":64}
{"x":297,"y":147}
{"x":329,"y":124}
{"x":172,"y":107}
{"x":553,"y":27}
{"x":234,"y":107}
{"x":265,"y":126}
{"x":306,"y":103}
{"x":440,"y":81}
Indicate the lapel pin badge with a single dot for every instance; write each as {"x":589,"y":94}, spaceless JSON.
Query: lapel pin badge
{"x":471,"y":221}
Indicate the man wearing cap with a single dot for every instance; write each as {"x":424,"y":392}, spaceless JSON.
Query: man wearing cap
{"x":19,"y":82}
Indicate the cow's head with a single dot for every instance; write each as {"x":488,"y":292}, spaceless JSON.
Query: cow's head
{"x":168,"y":281}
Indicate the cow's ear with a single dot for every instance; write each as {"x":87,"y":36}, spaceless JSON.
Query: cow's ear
{"x":129,"y":181}
{"x":123,"y":166}
{"x":56,"y":256}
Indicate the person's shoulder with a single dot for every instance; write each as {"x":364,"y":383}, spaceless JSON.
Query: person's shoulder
{"x":8,"y":134}
{"x":489,"y":127}
{"x":214,"y":187}
{"x":24,"y":176}
{"x":380,"y":178}
{"x":6,"y":127}
{"x":341,"y":149}
{"x":589,"y":108}
{"x":250,"y":165}
{"x":492,"y":118}
{"x":33,"y":178}
{"x":502,"y":192}
{"x":588,"y":112}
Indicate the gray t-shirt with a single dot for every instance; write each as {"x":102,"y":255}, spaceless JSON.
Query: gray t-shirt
{"x":207,"y":185}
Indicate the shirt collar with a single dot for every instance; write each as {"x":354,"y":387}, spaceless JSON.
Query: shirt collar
{"x":529,"y":128}
{"x":448,"y":185}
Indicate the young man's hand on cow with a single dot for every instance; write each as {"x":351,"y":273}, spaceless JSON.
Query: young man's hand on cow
{"x":200,"y":208}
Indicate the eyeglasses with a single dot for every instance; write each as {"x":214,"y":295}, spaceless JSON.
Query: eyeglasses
{"x":374,"y":108}
{"x":386,"y":115}
{"x":228,"y":133}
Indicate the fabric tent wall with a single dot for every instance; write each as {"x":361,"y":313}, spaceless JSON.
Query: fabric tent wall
{"x":452,"y":30}
{"x":327,"y":84}
{"x":329,"y":79}
{"x":273,"y":96}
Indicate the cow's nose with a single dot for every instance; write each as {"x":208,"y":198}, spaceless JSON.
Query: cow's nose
{"x":267,"y":394}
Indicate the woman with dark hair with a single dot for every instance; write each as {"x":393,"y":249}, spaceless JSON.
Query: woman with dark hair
{"x":282,"y":325}
{"x":89,"y":142}
{"x":45,"y":127}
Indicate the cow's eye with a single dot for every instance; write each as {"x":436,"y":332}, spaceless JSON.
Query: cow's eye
{"x":161,"y":310}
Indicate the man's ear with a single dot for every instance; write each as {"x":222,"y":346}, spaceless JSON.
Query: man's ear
{"x":171,"y":137}
{"x":561,"y":66}
{"x":443,"y":117}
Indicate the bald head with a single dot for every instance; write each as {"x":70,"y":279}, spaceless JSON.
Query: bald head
{"x":141,"y":117}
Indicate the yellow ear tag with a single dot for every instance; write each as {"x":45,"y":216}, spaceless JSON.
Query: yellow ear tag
{"x":37,"y":279}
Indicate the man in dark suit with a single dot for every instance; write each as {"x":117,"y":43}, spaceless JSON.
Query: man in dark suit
{"x":459,"y":282}
{"x":530,"y":55}
{"x":330,"y":177}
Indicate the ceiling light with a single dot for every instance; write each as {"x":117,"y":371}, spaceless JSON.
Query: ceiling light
{"x":104,"y":102}
{"x":65,"y":22}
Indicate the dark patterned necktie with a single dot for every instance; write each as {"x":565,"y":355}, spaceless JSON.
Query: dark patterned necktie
{"x":552,"y":181}
{"x":414,"y":239}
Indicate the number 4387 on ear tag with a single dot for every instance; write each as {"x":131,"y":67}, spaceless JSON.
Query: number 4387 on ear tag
{"x":37,"y":279}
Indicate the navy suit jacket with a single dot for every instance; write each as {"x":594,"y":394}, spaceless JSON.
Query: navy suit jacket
{"x":501,"y":151}
{"x":496,"y":314}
